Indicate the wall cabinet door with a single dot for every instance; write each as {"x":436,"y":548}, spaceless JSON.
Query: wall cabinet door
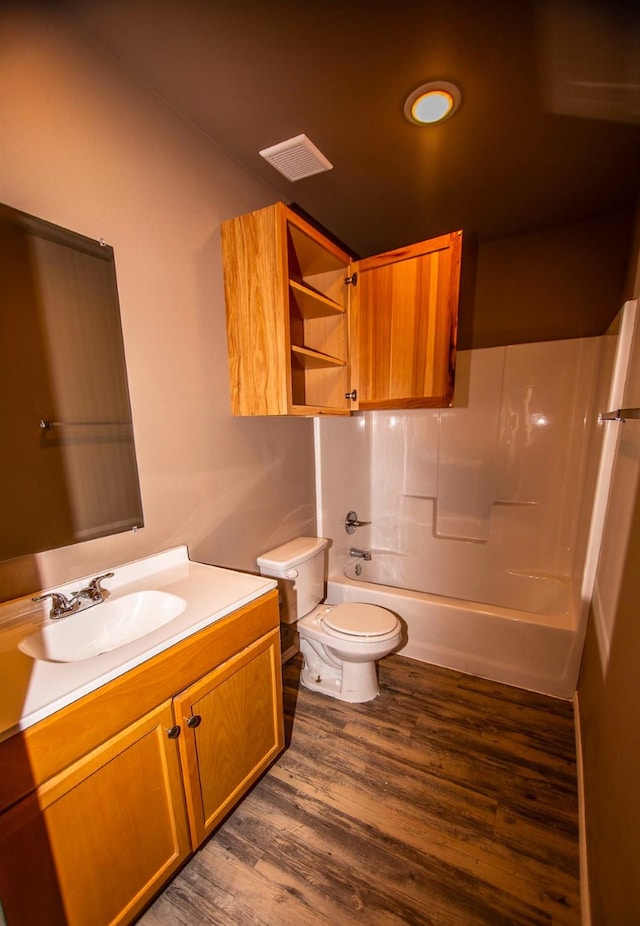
{"x":295,"y":345}
{"x":95,"y":843}
{"x":232,"y":730}
{"x":404,"y":324}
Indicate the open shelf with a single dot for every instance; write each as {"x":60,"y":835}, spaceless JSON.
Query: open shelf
{"x":312,"y":304}
{"x":288,"y":304}
{"x":313,"y":360}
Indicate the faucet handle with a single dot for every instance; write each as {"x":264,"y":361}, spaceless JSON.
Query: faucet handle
{"x":351,"y":522}
{"x":96,"y":588}
{"x":60,"y":604}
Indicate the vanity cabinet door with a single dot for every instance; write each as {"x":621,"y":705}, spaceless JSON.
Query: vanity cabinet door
{"x":232,"y":730}
{"x":94,"y":844}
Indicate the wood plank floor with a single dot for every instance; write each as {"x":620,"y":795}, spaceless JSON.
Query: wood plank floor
{"x":448,"y":800}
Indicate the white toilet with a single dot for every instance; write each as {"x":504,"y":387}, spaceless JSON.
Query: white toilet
{"x":340,"y":643}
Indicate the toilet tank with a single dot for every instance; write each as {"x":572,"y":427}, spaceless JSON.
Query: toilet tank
{"x":300,"y":567}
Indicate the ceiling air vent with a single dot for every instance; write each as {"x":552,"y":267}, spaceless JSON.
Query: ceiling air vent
{"x":296,"y":158}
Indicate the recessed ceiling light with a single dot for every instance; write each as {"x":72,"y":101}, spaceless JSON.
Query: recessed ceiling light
{"x":432,"y":102}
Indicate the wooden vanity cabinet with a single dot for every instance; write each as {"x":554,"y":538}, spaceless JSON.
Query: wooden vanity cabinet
{"x":94,"y":842}
{"x":108,"y":832}
{"x":311,"y":332}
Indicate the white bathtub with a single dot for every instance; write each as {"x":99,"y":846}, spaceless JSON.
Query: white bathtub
{"x":539,"y":652}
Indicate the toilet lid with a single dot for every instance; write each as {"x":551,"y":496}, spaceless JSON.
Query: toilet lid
{"x":365,"y":620}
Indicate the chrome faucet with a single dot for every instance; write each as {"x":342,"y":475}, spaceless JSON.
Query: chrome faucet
{"x":361,"y":554}
{"x":85,"y":597}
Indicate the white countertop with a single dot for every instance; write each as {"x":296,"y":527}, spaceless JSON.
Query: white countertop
{"x":32,"y":689}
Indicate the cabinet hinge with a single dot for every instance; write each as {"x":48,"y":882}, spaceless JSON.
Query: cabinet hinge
{"x":352,"y":280}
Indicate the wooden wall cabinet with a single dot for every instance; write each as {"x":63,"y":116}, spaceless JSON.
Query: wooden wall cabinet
{"x":312,"y":332}
{"x":93,"y":843}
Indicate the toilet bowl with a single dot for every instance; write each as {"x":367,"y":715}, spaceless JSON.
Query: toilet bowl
{"x":339,"y":643}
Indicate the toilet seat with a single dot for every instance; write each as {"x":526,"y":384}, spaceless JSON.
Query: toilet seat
{"x":360,"y":620}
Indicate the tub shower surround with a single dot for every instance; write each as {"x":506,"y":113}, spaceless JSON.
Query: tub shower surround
{"x":479,"y":513}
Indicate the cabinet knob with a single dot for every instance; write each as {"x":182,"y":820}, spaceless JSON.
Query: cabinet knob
{"x":194,"y":721}
{"x":173,"y":732}
{"x":353,"y":395}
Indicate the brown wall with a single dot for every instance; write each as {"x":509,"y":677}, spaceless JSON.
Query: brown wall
{"x":86,"y":147}
{"x":564,"y":282}
{"x":609,"y":712}
{"x":608,"y":689}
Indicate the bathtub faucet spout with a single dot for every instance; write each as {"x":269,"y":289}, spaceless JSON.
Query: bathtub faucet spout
{"x":361,"y":554}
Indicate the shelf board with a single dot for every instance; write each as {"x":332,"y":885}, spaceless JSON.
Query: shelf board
{"x":313,"y":304}
{"x":315,"y":410}
{"x":313,"y":359}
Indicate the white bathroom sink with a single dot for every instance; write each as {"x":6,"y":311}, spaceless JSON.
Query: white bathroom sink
{"x":103,"y":627}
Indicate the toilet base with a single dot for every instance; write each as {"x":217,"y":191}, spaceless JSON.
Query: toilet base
{"x":354,"y":682}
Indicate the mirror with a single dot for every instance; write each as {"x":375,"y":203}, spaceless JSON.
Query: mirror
{"x":68,"y":470}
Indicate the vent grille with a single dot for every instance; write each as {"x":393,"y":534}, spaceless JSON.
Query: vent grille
{"x":296,"y":158}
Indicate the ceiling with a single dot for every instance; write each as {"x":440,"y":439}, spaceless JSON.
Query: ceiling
{"x":548,"y":132}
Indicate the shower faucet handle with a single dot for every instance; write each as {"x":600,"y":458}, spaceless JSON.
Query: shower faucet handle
{"x":351,"y":522}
